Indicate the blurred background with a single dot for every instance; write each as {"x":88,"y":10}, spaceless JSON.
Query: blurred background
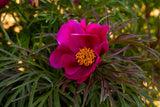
{"x":32,"y":25}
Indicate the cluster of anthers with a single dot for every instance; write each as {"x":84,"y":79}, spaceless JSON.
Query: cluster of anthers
{"x":85,"y":56}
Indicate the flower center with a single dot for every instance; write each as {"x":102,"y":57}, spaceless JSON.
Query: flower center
{"x":85,"y":56}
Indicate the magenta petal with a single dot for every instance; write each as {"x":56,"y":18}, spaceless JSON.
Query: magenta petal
{"x":102,"y":48}
{"x":84,"y":40}
{"x":79,"y":81}
{"x":83,"y":24}
{"x":56,"y":55}
{"x":97,"y":29}
{"x":67,"y":29}
{"x":64,"y":30}
{"x":83,"y":72}
{"x":70,"y":64}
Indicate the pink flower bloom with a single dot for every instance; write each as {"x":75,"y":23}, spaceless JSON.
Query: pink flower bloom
{"x":80,"y":48}
{"x":3,"y":3}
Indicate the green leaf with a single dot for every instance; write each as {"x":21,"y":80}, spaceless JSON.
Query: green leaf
{"x":56,"y":98}
{"x":8,"y":53}
{"x":3,"y":93}
{"x":139,"y":104}
{"x":12,"y":97}
{"x":14,"y":79}
{"x":7,"y":63}
{"x":43,"y":98}
{"x":33,"y":92}
{"x":22,"y":100}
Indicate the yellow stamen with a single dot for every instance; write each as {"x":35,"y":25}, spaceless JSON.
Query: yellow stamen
{"x":85,"y":56}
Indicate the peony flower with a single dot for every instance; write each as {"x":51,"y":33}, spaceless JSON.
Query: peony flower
{"x":3,"y":3}
{"x":80,"y":48}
